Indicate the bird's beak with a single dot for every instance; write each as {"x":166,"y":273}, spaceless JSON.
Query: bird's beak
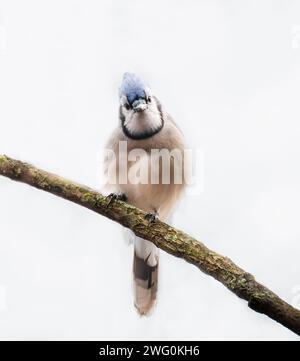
{"x":139,"y":105}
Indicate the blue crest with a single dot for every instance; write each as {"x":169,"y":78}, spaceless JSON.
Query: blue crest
{"x":132,"y":87}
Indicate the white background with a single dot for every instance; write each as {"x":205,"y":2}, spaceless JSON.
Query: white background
{"x":229,"y":73}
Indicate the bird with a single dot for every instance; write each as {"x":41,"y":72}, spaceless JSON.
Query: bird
{"x":145,"y":125}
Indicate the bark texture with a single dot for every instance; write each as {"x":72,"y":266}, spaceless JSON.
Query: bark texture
{"x":169,"y":239}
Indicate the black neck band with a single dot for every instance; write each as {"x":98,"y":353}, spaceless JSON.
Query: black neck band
{"x":142,"y":135}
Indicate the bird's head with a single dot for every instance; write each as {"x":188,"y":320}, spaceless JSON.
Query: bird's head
{"x":134,"y":94}
{"x":140,"y":112}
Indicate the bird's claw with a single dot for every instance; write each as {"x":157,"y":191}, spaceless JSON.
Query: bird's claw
{"x":152,"y":217}
{"x":116,"y":196}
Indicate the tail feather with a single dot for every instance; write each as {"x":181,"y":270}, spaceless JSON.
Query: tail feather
{"x":145,"y":278}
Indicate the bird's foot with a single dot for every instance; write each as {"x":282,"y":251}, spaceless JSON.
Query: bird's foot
{"x":152,"y":216}
{"x":116,"y":196}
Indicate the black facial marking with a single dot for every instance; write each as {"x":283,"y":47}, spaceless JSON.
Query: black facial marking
{"x":159,"y":109}
{"x":121,"y":115}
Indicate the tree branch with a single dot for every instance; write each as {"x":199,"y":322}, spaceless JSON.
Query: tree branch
{"x":169,"y":239}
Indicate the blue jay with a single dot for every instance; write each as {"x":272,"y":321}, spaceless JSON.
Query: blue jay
{"x":144,"y":124}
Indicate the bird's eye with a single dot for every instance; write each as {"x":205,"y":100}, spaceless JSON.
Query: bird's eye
{"x":149,"y":99}
{"x":127,"y":106}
